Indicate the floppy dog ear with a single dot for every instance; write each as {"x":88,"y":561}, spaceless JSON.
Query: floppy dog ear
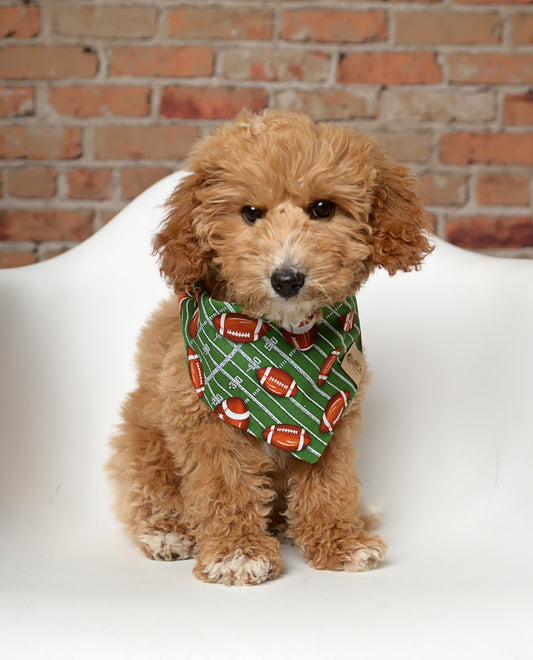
{"x":181,"y":258}
{"x":399,"y":222}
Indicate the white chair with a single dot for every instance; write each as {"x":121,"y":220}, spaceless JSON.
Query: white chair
{"x":447,"y":450}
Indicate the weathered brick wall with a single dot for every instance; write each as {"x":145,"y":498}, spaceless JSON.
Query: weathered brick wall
{"x":100,"y":98}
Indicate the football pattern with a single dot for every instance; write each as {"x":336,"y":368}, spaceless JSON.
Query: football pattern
{"x":287,"y":437}
{"x":302,"y":336}
{"x":277,"y":381}
{"x":240,"y":328}
{"x":328,"y":366}
{"x":334,"y":410}
{"x":285,"y":386}
{"x":346,"y":321}
{"x":196,"y":371}
{"x":234,"y":411}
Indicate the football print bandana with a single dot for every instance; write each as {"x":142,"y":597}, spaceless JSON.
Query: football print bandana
{"x":283,"y":385}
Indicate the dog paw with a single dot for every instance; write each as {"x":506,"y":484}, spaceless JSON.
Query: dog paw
{"x":352,"y":554}
{"x":364,"y":558}
{"x":238,"y":570}
{"x":165,"y":546}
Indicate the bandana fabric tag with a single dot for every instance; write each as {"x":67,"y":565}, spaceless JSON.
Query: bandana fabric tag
{"x":353,"y":364}
{"x":289,"y":387}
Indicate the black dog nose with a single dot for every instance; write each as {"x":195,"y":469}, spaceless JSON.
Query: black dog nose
{"x":287,"y":282}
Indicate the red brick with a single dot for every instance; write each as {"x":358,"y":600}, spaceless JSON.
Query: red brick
{"x":47,"y":251}
{"x":494,"y":2}
{"x":334,"y":26}
{"x":329,"y":104}
{"x":135,"y":180}
{"x":137,"y":142}
{"x":40,"y":142}
{"x":101,"y":100}
{"x":443,"y":188}
{"x":16,"y":258}
{"x":17,"y":101}
{"x":219,"y":23}
{"x":89,"y":184}
{"x":270,"y":64}
{"x":522,"y":29}
{"x":487,"y":148}
{"x":406,"y":146}
{"x":32,"y":182}
{"x":47,"y":62}
{"x":107,"y":216}
{"x":518,"y":110}
{"x":386,"y":68}
{"x":109,"y":22}
{"x":490,"y":68}
{"x":439,"y":105}
{"x":446,"y":27}
{"x":45,"y":225}
{"x":210,"y":102}
{"x":162,"y":61}
{"x":484,"y":232}
{"x":503,"y":189}
{"x":20,"y":22}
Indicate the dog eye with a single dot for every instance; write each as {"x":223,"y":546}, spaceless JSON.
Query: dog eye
{"x":322,"y":209}
{"x":251,"y":214}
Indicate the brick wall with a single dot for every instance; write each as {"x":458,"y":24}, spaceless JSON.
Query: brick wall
{"x":99,"y":99}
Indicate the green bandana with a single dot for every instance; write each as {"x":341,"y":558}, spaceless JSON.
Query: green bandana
{"x":288,"y":386}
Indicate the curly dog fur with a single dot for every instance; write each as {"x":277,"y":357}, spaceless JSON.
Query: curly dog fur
{"x":188,"y":484}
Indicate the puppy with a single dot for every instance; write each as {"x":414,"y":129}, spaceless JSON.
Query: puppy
{"x":264,"y":244}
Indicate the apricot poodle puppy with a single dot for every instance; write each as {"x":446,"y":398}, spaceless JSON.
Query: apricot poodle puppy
{"x":251,"y":376}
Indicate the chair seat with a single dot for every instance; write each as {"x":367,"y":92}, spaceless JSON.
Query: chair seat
{"x":447,"y":453}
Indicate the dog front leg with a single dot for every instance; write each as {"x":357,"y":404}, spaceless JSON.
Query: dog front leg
{"x":227,"y":501}
{"x":322,"y":512}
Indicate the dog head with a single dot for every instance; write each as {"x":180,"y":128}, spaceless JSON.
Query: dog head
{"x":283,"y":215}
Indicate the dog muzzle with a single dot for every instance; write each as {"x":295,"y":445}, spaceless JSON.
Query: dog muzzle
{"x":287,"y":386}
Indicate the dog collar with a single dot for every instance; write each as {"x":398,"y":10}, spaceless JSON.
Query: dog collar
{"x":287,"y":386}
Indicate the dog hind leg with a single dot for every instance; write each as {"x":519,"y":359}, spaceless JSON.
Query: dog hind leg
{"x":148,"y":487}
